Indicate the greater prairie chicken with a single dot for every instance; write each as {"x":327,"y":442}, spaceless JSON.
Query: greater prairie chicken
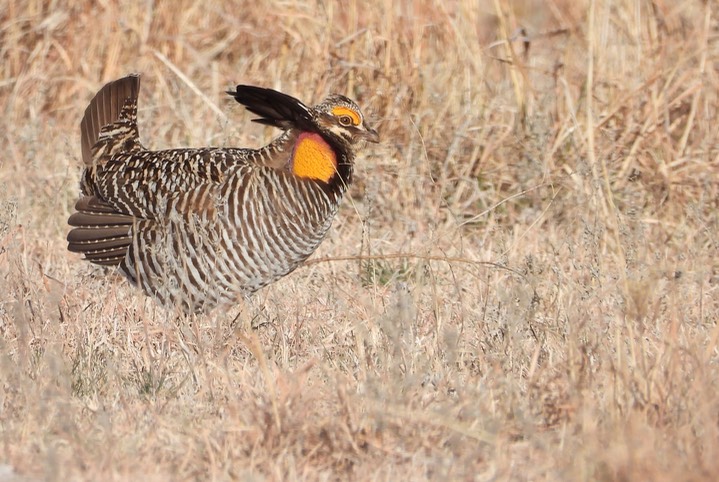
{"x":198,"y":228}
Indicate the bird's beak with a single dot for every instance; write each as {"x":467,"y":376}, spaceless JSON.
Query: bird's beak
{"x":370,"y":135}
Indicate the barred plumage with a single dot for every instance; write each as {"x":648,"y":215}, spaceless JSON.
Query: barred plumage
{"x":199,"y":228}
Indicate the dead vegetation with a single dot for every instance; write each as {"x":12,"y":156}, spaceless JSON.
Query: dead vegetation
{"x":521,"y":285}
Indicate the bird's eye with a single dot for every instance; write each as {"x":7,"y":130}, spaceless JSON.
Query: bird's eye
{"x":345,"y":120}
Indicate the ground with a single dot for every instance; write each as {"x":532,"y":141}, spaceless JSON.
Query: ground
{"x":521,"y":284}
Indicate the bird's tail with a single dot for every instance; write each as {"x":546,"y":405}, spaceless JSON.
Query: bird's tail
{"x":109,"y":125}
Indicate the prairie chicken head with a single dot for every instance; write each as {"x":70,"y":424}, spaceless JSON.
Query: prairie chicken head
{"x":340,"y":117}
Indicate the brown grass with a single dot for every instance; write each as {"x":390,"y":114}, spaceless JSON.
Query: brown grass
{"x":522,"y":284}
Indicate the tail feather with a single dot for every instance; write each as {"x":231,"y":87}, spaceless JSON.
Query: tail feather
{"x":105,"y":109}
{"x":101,"y":233}
{"x":106,"y":256}
{"x":100,"y":237}
{"x":274,"y":108}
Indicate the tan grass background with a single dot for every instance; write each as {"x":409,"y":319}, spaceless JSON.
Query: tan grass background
{"x":522,"y":284}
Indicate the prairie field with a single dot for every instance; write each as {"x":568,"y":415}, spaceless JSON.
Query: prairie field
{"x":521,"y":284}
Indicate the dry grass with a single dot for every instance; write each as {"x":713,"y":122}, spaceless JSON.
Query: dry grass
{"x":522,"y":284}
